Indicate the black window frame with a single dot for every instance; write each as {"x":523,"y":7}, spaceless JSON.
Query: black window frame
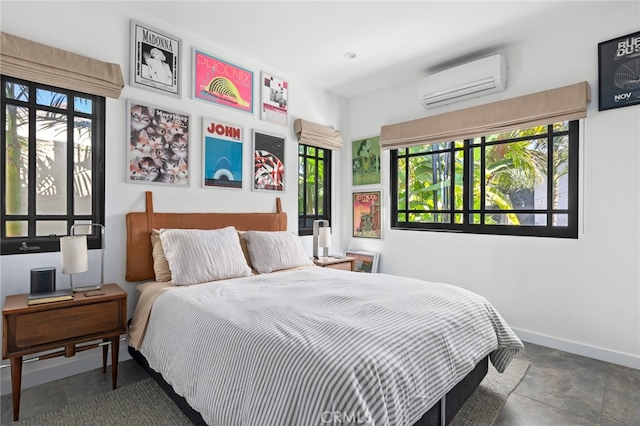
{"x":548,"y":230}
{"x":41,"y":244}
{"x":305,"y":220}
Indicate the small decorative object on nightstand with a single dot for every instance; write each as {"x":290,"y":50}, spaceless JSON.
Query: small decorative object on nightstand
{"x":345,"y":263}
{"x":70,"y":326}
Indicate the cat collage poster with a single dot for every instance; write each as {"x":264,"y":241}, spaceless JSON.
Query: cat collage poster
{"x":222,"y":153}
{"x":158,"y":145}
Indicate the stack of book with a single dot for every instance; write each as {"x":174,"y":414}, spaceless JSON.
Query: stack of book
{"x":50,"y":296}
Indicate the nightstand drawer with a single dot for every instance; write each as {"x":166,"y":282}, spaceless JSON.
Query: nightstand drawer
{"x":55,"y":325}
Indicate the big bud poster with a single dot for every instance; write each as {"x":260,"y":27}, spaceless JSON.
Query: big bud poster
{"x":619,"y":72}
{"x":222,"y":82}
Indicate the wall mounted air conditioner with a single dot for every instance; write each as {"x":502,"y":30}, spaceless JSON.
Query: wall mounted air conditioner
{"x":466,"y":81}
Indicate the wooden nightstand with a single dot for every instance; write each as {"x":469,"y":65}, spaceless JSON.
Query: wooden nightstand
{"x":346,"y":263}
{"x":31,"y":329}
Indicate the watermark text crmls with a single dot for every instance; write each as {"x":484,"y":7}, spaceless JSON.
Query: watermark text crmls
{"x":344,"y":417}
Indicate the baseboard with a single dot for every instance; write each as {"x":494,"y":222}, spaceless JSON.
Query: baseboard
{"x":614,"y":357}
{"x":38,"y":372}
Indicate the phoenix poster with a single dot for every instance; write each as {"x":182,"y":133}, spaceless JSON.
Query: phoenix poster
{"x":221,"y":82}
{"x":222,"y":153}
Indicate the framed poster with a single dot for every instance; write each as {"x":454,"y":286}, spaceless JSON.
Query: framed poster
{"x":366,"y":214}
{"x":222,"y":153}
{"x":155,"y":60}
{"x":365,"y":160}
{"x":268,"y":162}
{"x":365,"y":261}
{"x":158,"y":145}
{"x":619,"y":72}
{"x":275,"y":95}
{"x":223,"y":83}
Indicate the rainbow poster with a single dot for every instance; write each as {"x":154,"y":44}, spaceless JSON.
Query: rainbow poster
{"x":222,"y":82}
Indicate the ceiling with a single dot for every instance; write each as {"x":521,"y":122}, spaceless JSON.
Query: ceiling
{"x":394,"y":40}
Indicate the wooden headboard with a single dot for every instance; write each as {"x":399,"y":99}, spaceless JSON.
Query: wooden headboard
{"x":140,"y":224}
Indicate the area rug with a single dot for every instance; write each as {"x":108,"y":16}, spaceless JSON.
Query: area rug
{"x":144,"y":403}
{"x":485,"y":403}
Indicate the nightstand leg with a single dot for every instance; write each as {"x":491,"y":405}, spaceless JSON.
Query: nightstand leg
{"x":105,"y":350}
{"x":16,"y":382}
{"x":115,"y":348}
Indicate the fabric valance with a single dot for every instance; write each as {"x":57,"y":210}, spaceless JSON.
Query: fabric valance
{"x":26,"y":59}
{"x":549,"y":106}
{"x":317,"y":135}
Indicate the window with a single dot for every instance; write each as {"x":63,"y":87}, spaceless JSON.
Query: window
{"x":314,"y":186}
{"x":53,"y":167}
{"x":523,"y":182}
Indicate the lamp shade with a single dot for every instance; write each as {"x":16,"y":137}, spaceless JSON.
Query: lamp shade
{"x":324,"y":238}
{"x":74,"y":254}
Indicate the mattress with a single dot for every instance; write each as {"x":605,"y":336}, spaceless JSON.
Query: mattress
{"x":306,"y":346}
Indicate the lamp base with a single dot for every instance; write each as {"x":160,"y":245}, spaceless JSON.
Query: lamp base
{"x":87,"y":288}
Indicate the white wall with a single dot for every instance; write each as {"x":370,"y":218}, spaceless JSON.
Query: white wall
{"x":101,"y":30}
{"x":578,"y":295}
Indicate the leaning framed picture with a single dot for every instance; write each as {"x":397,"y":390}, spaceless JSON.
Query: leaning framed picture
{"x":158,"y":145}
{"x":222,"y":83}
{"x":366,"y":214}
{"x":274,"y":99}
{"x":365,"y":161}
{"x":268,"y":162}
{"x":365,"y":261}
{"x":155,"y":60}
{"x":222,"y":145}
{"x":619,"y":72}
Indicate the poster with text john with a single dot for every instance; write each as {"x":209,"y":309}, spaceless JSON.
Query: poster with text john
{"x":222,"y":153}
{"x":222,"y":83}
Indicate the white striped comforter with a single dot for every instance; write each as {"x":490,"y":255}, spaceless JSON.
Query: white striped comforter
{"x":297,"y":347}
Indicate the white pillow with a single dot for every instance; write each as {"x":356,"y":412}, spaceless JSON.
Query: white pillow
{"x":197,"y":256}
{"x":273,"y":251}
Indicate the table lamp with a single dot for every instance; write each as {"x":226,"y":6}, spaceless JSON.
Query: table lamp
{"x":73,"y":249}
{"x":321,"y":237}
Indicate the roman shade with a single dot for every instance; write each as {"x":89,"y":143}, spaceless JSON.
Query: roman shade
{"x":26,"y":59}
{"x":549,"y":106}
{"x":317,"y":135}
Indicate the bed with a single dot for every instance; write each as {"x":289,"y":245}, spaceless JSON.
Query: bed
{"x":276,"y":340}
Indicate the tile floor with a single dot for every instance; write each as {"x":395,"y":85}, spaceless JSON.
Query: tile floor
{"x":559,"y":389}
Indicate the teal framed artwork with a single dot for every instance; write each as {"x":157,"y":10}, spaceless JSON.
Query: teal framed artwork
{"x":365,"y":159}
